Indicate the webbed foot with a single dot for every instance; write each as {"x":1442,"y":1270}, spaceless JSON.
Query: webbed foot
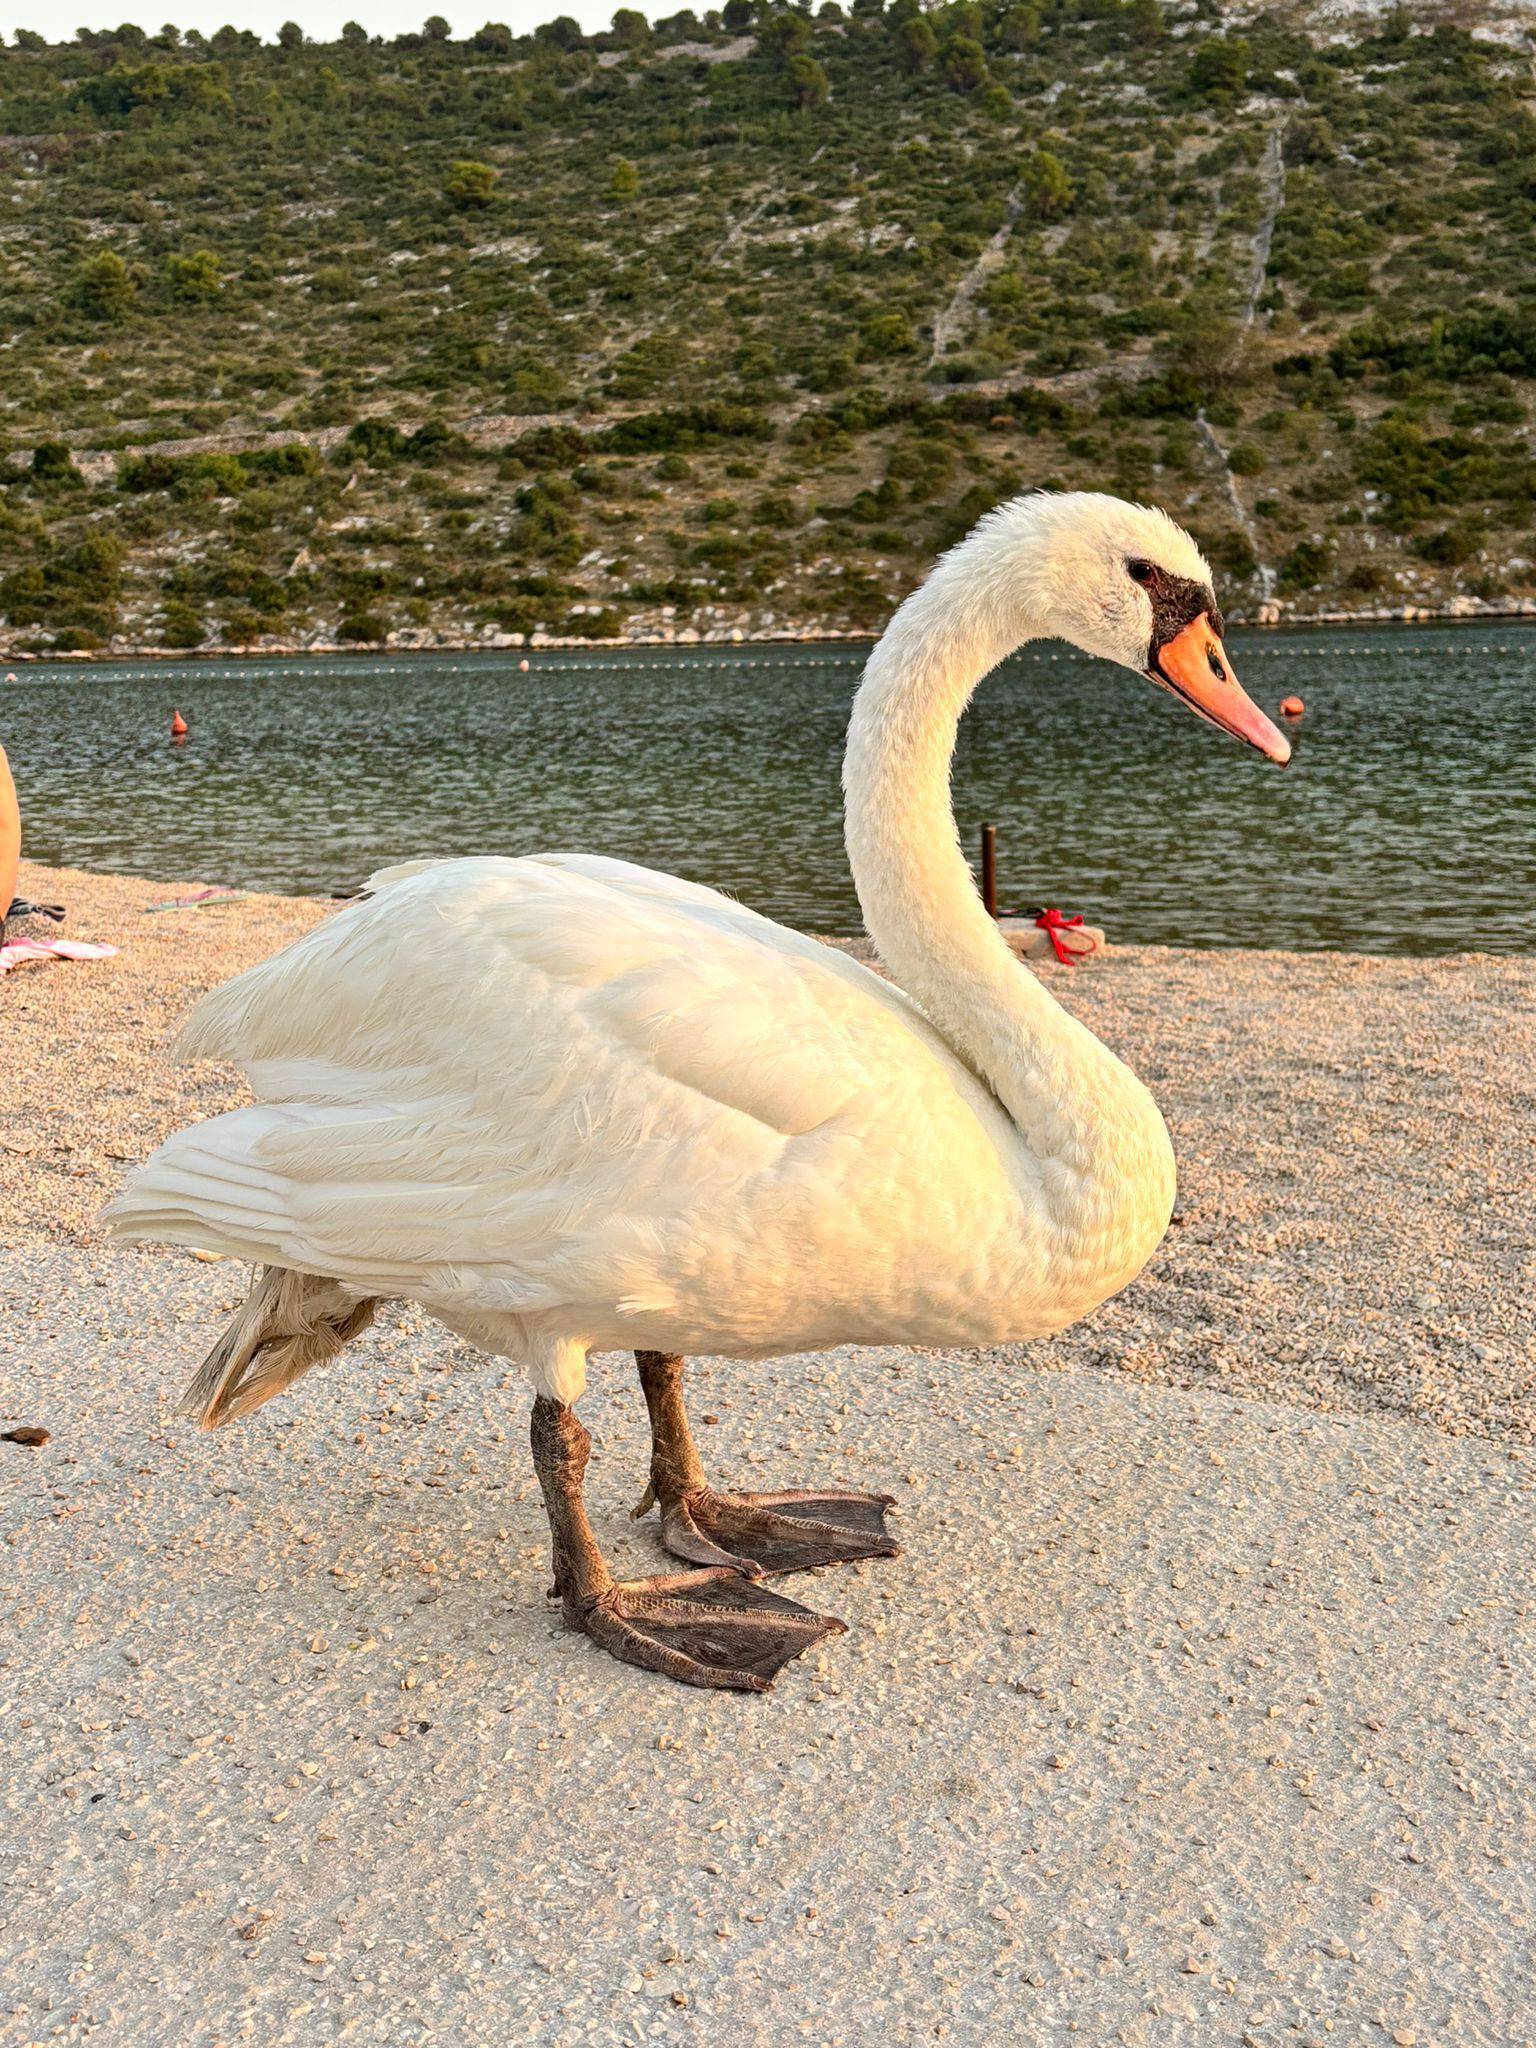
{"x":713,"y":1628}
{"x":764,"y":1533}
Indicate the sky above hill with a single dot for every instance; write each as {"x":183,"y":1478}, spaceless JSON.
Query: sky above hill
{"x":321,"y":19}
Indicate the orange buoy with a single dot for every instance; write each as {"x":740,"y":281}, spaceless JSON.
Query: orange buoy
{"x":523,"y":667}
{"x":178,"y":726}
{"x":1291,"y":707}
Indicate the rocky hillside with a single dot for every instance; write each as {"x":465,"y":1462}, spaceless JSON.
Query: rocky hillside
{"x":726,"y":323}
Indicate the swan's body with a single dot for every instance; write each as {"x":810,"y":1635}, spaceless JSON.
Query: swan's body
{"x":568,"y":1104}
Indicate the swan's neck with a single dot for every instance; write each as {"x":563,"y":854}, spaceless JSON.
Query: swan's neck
{"x":1083,"y":1115}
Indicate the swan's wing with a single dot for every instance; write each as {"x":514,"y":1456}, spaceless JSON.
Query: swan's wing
{"x":451,"y":968}
{"x":517,"y":1084}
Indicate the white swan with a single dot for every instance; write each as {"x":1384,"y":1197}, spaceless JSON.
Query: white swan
{"x":568,"y":1105}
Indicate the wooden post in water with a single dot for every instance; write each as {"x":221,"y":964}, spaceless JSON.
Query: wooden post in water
{"x":989,"y":869}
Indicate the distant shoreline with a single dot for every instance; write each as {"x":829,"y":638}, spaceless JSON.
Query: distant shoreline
{"x":1524,"y":612}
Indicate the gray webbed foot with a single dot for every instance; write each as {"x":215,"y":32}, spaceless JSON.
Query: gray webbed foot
{"x":766,"y":1533}
{"x":711,"y":1628}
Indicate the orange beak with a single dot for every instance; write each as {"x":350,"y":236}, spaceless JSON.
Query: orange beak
{"x":1193,"y":665}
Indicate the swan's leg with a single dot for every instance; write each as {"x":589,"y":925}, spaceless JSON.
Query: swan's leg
{"x":702,"y":1628}
{"x":754,"y":1532}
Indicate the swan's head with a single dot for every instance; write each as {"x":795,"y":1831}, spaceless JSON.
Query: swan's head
{"x":1123,"y":582}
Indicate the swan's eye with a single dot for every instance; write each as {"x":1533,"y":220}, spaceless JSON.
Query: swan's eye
{"x":1141,"y":572}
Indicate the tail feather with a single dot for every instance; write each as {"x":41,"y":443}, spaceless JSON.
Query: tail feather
{"x":289,"y":1322}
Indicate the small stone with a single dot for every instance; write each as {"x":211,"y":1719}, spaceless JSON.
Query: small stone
{"x":30,"y":1434}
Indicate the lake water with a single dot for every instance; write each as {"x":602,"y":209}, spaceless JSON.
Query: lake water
{"x":1404,"y":824}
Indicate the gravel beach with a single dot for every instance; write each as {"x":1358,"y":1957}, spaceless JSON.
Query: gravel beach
{"x":1185,"y":1719}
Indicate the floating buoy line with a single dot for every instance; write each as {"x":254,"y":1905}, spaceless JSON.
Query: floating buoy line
{"x":552,"y":660}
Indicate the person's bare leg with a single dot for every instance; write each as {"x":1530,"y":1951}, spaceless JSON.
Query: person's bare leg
{"x":754,"y":1532}
{"x":713,"y":1628}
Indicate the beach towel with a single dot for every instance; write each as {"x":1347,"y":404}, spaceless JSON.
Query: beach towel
{"x":20,"y":952}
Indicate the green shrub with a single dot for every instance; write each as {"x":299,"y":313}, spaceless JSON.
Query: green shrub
{"x":1218,"y":71}
{"x":887,"y":334}
{"x":1046,"y":189}
{"x":807,"y":81}
{"x":190,"y":477}
{"x":180,"y":626}
{"x":917,"y":42}
{"x":296,"y":459}
{"x":685,"y":427}
{"x":965,"y":64}
{"x":1449,"y":547}
{"x":374,"y":441}
{"x":470,"y":185}
{"x":53,"y":464}
{"x":1019,"y":26}
{"x":24,"y":595}
{"x":1305,"y":566}
{"x":103,"y":287}
{"x":547,"y":523}
{"x":362,"y":627}
{"x":194,"y":278}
